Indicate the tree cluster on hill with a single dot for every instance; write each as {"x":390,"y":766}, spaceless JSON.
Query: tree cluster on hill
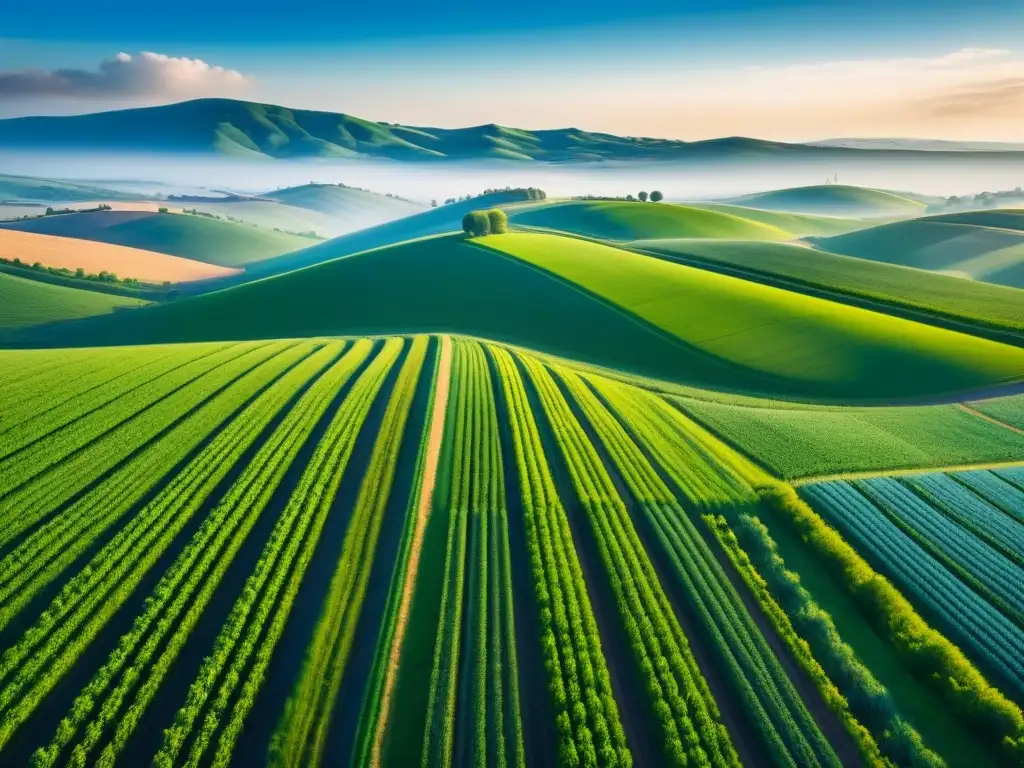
{"x":978,"y":201}
{"x":480,"y":223}
{"x":78,"y":274}
{"x":204,"y":214}
{"x":531,"y":193}
{"x":655,"y":197}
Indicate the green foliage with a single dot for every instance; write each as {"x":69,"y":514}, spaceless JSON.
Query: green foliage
{"x":932,"y":657}
{"x":476,"y":223}
{"x":656,"y":196}
{"x":642,"y":197}
{"x":799,"y":441}
{"x":498,"y":221}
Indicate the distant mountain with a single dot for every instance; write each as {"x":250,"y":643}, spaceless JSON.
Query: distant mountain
{"x":246,"y":129}
{"x":922,"y":145}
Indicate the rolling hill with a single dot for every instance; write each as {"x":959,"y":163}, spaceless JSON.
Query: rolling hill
{"x":595,"y":303}
{"x":32,"y":189}
{"x":952,"y":244}
{"x":796,"y":224}
{"x":834,"y":200}
{"x":247,"y":129}
{"x":780,"y":340}
{"x":341,"y":200}
{"x":799,"y":266}
{"x":614,"y":220}
{"x":218,"y":242}
{"x":93,"y":257}
{"x":25,"y":302}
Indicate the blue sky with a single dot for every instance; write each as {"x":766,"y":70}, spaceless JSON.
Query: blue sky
{"x":788,"y":70}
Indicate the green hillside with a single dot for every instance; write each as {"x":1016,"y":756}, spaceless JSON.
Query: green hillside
{"x":613,"y":220}
{"x":834,"y":200}
{"x":50,"y":190}
{"x":796,"y":224}
{"x":1008,"y":218}
{"x":213,"y":241}
{"x":25,"y":302}
{"x":338,"y":199}
{"x":941,"y":245}
{"x":793,"y":343}
{"x":983,"y":303}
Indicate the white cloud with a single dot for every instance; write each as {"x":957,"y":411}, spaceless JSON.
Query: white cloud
{"x":147,"y":74}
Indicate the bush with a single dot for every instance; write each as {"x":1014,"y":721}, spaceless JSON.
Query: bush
{"x":161,"y":210}
{"x":476,"y":224}
{"x":656,"y":196}
{"x":642,"y":197}
{"x":498,"y":221}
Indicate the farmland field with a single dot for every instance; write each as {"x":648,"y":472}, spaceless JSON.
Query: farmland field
{"x":431,"y":550}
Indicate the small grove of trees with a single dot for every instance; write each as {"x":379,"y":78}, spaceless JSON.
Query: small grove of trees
{"x":531,"y":193}
{"x":80,"y":274}
{"x":643,"y":197}
{"x":480,"y":223}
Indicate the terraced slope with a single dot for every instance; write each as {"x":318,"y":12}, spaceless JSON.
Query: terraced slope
{"x":212,"y":241}
{"x":779,"y":339}
{"x":948,"y":244}
{"x":613,"y":220}
{"x":29,"y":302}
{"x":834,"y":200}
{"x":798,"y":266}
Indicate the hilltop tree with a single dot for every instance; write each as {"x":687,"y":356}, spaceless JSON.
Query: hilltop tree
{"x":498,"y":221}
{"x":476,"y":224}
{"x":643,"y":197}
{"x":656,"y":196}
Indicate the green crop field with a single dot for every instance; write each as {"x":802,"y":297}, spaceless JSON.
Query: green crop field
{"x":612,"y":220}
{"x":213,"y":241}
{"x":796,"y":224}
{"x":951,"y":244}
{"x":25,"y":302}
{"x":771,"y":338}
{"x":434,"y":550}
{"x":941,"y":295}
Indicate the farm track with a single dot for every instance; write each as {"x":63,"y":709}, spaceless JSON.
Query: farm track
{"x":641,"y":738}
{"x":424,"y":498}
{"x":992,"y":419}
{"x":538,"y":730}
{"x":733,"y":715}
{"x":343,"y":707}
{"x":129,"y":596}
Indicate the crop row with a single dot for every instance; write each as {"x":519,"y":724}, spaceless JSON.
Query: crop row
{"x":847,"y":686}
{"x":679,"y":700}
{"x":382,"y":683}
{"x":967,"y":618}
{"x":300,"y":736}
{"x":127,"y":683}
{"x":1003,"y":489}
{"x":87,"y":601}
{"x":587,"y":719}
{"x":49,"y":549}
{"x":484,"y":675}
{"x":974,"y":562}
{"x":72,"y":389}
{"x":772,"y":704}
{"x":257,"y":618}
{"x":58,"y":469}
{"x":971,"y":511}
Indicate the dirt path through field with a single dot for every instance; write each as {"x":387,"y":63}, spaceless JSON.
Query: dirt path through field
{"x":426,"y":496}
{"x":992,"y":419}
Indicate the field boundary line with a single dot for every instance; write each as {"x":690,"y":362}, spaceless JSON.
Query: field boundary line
{"x":869,"y":474}
{"x":423,"y":509}
{"x":992,"y":419}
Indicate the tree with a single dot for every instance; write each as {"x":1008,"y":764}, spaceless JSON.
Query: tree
{"x":433,"y":203}
{"x":630,"y":198}
{"x":476,"y":224}
{"x":80,"y":273}
{"x":643,"y":197}
{"x":498,"y":221}
{"x":656,"y":196}
{"x":161,"y":210}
